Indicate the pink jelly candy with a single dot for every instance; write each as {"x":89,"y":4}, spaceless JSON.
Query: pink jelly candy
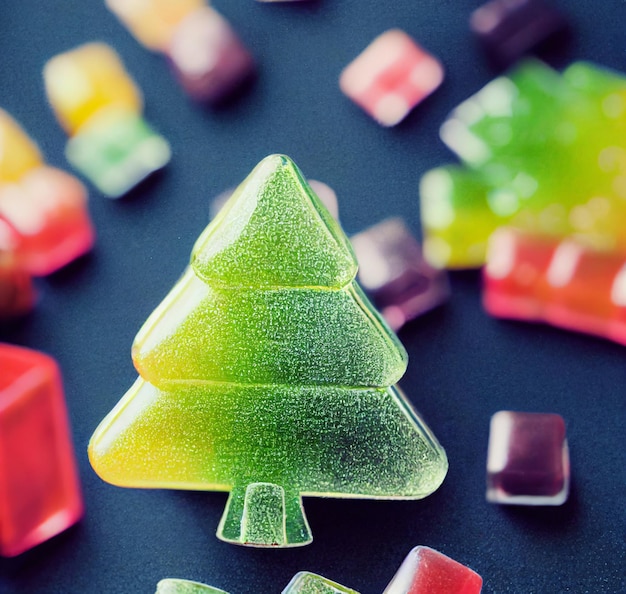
{"x":390,"y":77}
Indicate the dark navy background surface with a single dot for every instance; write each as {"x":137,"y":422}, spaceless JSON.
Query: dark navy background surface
{"x":464,"y":366}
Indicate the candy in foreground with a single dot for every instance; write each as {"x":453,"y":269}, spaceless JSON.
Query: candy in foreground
{"x":426,"y":571}
{"x":508,"y":30}
{"x":563,"y":283}
{"x":177,"y":586}
{"x":394,"y":274}
{"x":543,"y":152}
{"x":390,"y":77}
{"x":528,"y":459}
{"x":100,"y":106}
{"x":40,"y":494}
{"x":305,"y":582}
{"x":266,"y":372}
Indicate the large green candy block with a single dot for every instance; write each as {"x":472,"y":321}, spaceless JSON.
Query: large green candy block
{"x":267,"y":373}
{"x":543,"y":152}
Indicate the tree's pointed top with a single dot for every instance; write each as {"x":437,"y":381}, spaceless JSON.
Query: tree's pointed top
{"x":274,"y":232}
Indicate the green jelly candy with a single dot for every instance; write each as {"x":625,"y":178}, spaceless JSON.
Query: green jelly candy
{"x":116,"y":149}
{"x":543,"y":152}
{"x":267,"y":373}
{"x":305,"y":582}
{"x":176,"y":586}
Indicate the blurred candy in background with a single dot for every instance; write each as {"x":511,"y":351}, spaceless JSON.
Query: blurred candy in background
{"x":204,"y":52}
{"x":100,"y":106}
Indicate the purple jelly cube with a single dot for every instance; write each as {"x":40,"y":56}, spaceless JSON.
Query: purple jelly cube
{"x":393,"y":272}
{"x":528,"y":459}
{"x":207,"y":56}
{"x":510,"y":29}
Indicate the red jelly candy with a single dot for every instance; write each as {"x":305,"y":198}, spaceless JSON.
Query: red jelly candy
{"x":39,"y":490}
{"x":17,"y":295}
{"x":559,"y":282}
{"x":48,"y":209}
{"x":426,"y":571}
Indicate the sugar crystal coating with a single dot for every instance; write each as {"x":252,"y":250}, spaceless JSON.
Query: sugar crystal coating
{"x":267,"y":373}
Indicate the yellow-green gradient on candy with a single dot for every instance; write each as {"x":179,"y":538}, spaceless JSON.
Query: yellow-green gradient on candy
{"x":271,"y":382}
{"x":543,"y":152}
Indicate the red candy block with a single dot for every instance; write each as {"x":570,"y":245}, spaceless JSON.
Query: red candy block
{"x":48,"y":208}
{"x":559,"y":282}
{"x":390,"y":77}
{"x":17,"y":295}
{"x":426,"y":571}
{"x":208,"y":58}
{"x":39,"y":490}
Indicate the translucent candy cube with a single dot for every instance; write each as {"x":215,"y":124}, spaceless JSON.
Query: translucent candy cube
{"x":117,"y":149}
{"x":509,"y":29}
{"x":48,"y":208}
{"x":39,"y":489}
{"x":81,"y":82}
{"x":528,"y":459}
{"x":207,"y":57}
{"x":534,"y":278}
{"x":305,"y":582}
{"x":18,"y":153}
{"x":390,"y":77}
{"x":153,"y":22}
{"x":426,"y":571}
{"x":17,"y":295}
{"x":393,"y":272}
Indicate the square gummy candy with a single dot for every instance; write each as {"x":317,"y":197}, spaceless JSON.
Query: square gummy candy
{"x":39,"y":490}
{"x":426,"y":571}
{"x":509,"y":29}
{"x":528,"y":459}
{"x":391,"y":76}
{"x":207,"y":57}
{"x":394,"y":273}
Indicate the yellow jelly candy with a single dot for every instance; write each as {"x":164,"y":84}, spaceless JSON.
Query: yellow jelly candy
{"x":84,"y":80}
{"x":153,"y":22}
{"x":18,"y":153}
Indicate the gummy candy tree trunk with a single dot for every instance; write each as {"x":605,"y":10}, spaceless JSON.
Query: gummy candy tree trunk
{"x":267,"y":373}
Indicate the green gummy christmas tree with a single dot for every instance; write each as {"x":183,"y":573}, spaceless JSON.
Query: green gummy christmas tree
{"x":266,"y":372}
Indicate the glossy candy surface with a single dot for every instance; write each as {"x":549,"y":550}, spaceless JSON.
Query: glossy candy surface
{"x":177,"y":586}
{"x":390,"y":77}
{"x":544,"y":152}
{"x":528,"y":459}
{"x":393,"y":272}
{"x":426,"y":571}
{"x":510,"y":29}
{"x":533,"y":278}
{"x":267,"y":373}
{"x":207,"y":57}
{"x":305,"y":582}
{"x":39,"y":489}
